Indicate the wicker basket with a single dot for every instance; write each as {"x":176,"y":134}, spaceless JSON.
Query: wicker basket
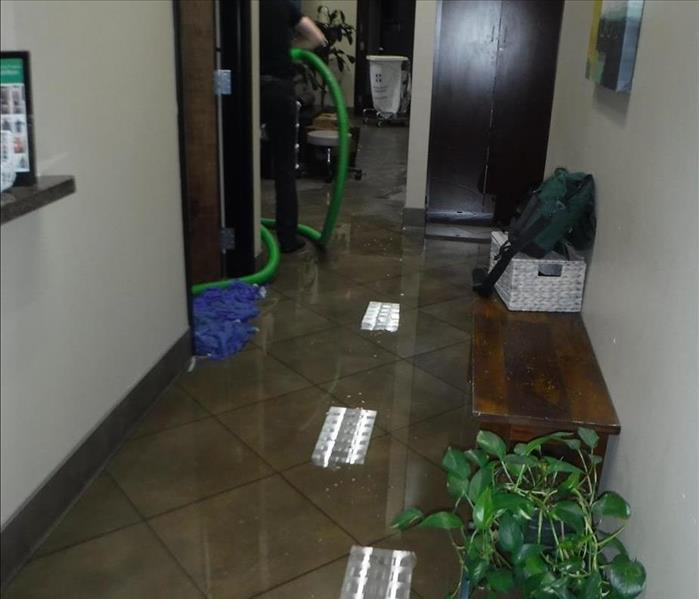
{"x":550,"y":284}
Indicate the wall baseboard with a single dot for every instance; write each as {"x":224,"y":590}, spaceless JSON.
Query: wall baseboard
{"x":22,"y":534}
{"x":414,"y":217}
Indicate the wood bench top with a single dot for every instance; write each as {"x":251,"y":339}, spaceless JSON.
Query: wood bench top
{"x":537,"y":370}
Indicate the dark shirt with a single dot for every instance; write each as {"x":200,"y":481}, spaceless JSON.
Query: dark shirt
{"x":277,"y":20}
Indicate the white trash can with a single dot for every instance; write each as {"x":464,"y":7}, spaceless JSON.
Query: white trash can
{"x":390,"y":84}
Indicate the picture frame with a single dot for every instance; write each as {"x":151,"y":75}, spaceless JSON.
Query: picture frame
{"x":17,"y":113}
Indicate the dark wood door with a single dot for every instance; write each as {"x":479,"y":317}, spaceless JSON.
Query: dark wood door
{"x":462,"y":92}
{"x":196,"y":33}
{"x":383,"y":27}
{"x":524,"y":82}
{"x":491,"y":105}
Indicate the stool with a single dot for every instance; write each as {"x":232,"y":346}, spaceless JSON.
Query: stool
{"x":329,"y":139}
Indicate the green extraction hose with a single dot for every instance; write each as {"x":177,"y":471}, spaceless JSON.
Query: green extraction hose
{"x":319,"y":237}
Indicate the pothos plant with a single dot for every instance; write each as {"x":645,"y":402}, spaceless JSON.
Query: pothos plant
{"x":333,"y":24}
{"x":535,"y":523}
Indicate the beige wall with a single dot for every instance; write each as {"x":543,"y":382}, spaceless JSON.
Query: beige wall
{"x":642,"y":291}
{"x":421,"y":102}
{"x":93,"y":288}
{"x":349,"y":7}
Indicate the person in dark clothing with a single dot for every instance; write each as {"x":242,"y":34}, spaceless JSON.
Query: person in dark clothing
{"x":278,"y":20}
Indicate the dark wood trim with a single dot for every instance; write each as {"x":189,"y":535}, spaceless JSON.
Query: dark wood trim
{"x":26,"y":530}
{"x":184,"y":200}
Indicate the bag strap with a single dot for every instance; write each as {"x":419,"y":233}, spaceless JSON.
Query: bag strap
{"x":484,"y":281}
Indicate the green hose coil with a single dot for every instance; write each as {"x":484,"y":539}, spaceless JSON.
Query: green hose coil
{"x":321,"y":238}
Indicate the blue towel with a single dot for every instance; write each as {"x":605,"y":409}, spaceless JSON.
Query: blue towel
{"x":222,"y":319}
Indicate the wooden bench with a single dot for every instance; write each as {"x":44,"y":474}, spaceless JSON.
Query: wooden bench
{"x":536,"y":373}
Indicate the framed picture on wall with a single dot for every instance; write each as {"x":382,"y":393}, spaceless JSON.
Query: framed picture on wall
{"x":16,"y":114}
{"x":611,"y":54}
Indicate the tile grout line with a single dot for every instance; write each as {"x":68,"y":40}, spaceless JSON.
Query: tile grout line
{"x":315,"y":505}
{"x":167,"y":550}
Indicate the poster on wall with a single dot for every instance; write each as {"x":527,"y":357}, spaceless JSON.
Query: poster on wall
{"x":16,"y":122}
{"x":611,"y":55}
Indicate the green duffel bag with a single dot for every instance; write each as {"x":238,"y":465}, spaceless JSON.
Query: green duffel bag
{"x":560,"y":211}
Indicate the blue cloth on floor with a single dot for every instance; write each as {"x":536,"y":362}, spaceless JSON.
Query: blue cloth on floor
{"x":222,"y":319}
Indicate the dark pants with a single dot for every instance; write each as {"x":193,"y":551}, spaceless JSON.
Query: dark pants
{"x":279,"y":116}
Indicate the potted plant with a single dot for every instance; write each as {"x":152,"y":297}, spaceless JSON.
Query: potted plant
{"x":532,"y":523}
{"x":335,"y":28}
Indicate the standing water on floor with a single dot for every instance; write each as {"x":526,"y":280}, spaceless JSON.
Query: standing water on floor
{"x":215,"y":493}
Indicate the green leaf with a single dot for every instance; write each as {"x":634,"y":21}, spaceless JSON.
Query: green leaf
{"x":491,"y":443}
{"x":476,"y":572}
{"x":520,"y":449}
{"x":483,"y":509}
{"x":611,"y":541}
{"x":500,"y":580}
{"x":457,"y":487}
{"x":589,"y":437}
{"x":526,"y":551}
{"x":534,"y":565}
{"x":443,"y":520}
{"x":570,"y":513}
{"x":596,"y":460}
{"x":535,"y":444}
{"x":481,"y":479}
{"x":512,"y":503}
{"x":573,"y":444}
{"x":510,"y":535}
{"x":477,"y":457}
{"x":627,"y":578}
{"x":517,"y":463}
{"x":569,"y":483}
{"x":455,"y":461}
{"x":555,"y":465}
{"x":407,"y":518}
{"x":612,"y":505}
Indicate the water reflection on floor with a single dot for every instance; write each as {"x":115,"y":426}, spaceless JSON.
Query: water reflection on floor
{"x":214,"y":494}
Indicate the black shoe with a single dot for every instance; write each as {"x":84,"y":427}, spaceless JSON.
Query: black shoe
{"x":296,"y":245}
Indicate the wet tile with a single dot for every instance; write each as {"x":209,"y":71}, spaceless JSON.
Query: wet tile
{"x":286,"y":320}
{"x":416,"y":289}
{"x":102,"y":508}
{"x":306,"y":275}
{"x":363,"y":499}
{"x":283,"y":430}
{"x":457,"y":312}
{"x":437,"y":569}
{"x":343,"y":305}
{"x":367,"y":269}
{"x":125,"y":564}
{"x":451,"y":364}
{"x":329,"y":355}
{"x":323,"y":583}
{"x":400,"y":393}
{"x":251,"y":539}
{"x":243,"y":379}
{"x":175,"y":467}
{"x":431,"y":437}
{"x":418,"y":333}
{"x":173,"y":408}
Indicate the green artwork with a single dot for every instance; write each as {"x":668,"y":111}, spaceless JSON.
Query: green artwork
{"x":611,"y":54}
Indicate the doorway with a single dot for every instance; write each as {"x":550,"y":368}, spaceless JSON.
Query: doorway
{"x":383,"y":27}
{"x":213,"y":55}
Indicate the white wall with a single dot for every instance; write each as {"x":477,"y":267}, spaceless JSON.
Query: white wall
{"x":641,"y":300}
{"x":349,"y":7}
{"x":421,"y":102}
{"x":93,"y":288}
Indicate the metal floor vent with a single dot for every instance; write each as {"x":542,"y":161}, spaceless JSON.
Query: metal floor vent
{"x":344,"y":438}
{"x":381,"y":316}
{"x":378,"y":574}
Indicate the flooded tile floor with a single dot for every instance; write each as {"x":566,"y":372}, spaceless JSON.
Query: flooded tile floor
{"x":214,"y":495}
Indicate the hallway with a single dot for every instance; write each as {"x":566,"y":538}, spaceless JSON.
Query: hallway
{"x":214,"y":494}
